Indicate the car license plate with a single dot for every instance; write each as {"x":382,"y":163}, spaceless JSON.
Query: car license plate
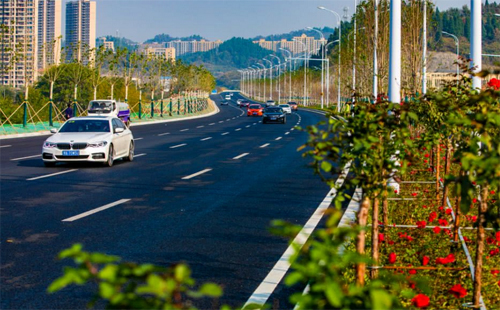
{"x":273,"y":118}
{"x":254,"y":113}
{"x":71,"y":153}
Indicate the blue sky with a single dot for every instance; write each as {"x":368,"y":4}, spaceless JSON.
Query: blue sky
{"x":219,"y":19}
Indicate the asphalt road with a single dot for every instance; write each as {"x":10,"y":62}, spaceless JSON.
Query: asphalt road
{"x":217,"y":221}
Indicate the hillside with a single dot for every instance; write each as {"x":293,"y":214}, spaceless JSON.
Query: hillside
{"x":163,"y":38}
{"x":327,"y":31}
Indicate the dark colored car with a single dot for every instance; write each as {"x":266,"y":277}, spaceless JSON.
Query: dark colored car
{"x":244,"y":104}
{"x":224,"y":103}
{"x":293,"y":105}
{"x":273,"y":114}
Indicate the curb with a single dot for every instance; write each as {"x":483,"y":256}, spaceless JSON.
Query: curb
{"x":47,"y":132}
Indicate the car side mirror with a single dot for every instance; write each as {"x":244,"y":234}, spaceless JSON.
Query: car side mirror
{"x":53,"y":130}
{"x":119,"y":130}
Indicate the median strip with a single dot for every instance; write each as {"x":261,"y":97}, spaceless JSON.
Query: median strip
{"x":178,"y":145}
{"x":110,"y":205}
{"x":196,"y":174}
{"x":51,"y":175}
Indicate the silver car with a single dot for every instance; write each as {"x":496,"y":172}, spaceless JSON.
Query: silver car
{"x":90,"y":138}
{"x":286,"y":108}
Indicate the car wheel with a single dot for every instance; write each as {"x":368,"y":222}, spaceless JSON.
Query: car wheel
{"x":284,"y":120}
{"x":49,"y":164}
{"x":109,"y":162}
{"x":131,"y":148}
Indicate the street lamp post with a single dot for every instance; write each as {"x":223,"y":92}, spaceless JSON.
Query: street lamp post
{"x":340,"y":49}
{"x":264,"y":80}
{"x":322,"y":64}
{"x":279,"y":75}
{"x":424,"y":52}
{"x":375,"y":56}
{"x":290,"y":75}
{"x":270,"y":78}
{"x":395,"y":53}
{"x":258,"y":78}
{"x":304,"y":102}
{"x":476,"y":38}
{"x":328,"y":75}
{"x":457,"y":44}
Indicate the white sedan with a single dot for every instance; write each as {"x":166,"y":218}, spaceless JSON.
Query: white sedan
{"x":90,"y":138}
{"x":286,"y":108}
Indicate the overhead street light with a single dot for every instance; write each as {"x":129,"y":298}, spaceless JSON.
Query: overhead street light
{"x":304,"y":101}
{"x":290,"y":81}
{"x":457,"y":44}
{"x":279,"y":74}
{"x":322,"y":64}
{"x":264,"y":80}
{"x":270,"y":78}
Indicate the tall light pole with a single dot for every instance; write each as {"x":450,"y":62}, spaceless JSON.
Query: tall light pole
{"x":264,"y":80}
{"x":304,"y":102}
{"x":270,"y":78}
{"x":354,"y":56}
{"x":340,"y":49}
{"x":457,"y":44}
{"x":424,"y":52}
{"x":279,"y":75}
{"x":322,"y":64}
{"x":290,"y":84}
{"x":395,"y":53}
{"x":375,"y":56}
{"x":258,"y":78}
{"x":328,"y":74}
{"x":475,"y":42}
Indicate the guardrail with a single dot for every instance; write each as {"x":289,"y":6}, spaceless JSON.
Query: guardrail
{"x":51,"y":115}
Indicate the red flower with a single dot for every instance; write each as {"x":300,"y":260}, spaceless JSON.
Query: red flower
{"x":474,"y":183}
{"x":421,"y":224}
{"x":425,"y":260}
{"x":412,"y":271}
{"x":392,"y":258}
{"x":458,"y":291}
{"x":474,"y":200}
{"x":443,"y":222}
{"x":432,"y":216}
{"x":381,"y":237}
{"x":437,"y":229}
{"x":421,"y":301}
{"x":498,"y":283}
{"x":396,"y":191}
{"x":448,"y":211}
{"x":412,"y":285}
{"x":414,"y":194}
{"x":490,"y":240}
{"x":494,"y":252}
{"x":445,"y":260}
{"x":492,"y":192}
{"x":494,"y":83}
{"x":497,"y":236}
{"x":426,"y":155}
{"x":473,"y":218}
{"x":495,"y":271}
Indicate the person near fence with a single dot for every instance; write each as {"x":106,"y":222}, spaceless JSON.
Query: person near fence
{"x":68,"y":113}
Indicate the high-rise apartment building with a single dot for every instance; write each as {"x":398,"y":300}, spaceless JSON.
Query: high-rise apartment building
{"x":296,"y":46}
{"x":49,"y":33}
{"x":165,"y":52}
{"x":80,"y":29}
{"x":187,"y":47}
{"x":18,"y":44}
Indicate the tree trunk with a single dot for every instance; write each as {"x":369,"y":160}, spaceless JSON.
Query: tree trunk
{"x":51,"y":96}
{"x":375,"y":246}
{"x":112,"y":91}
{"x":76,"y":90}
{"x":126,"y":93}
{"x":483,"y":207}
{"x":95,"y":93}
{"x":446,"y":171}
{"x":360,"y":242}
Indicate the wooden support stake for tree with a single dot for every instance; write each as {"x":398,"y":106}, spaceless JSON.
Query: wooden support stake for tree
{"x":360,"y":242}
{"x":447,"y":164}
{"x":438,"y":184}
{"x":375,"y":241}
{"x":483,"y":207}
{"x":458,"y":200}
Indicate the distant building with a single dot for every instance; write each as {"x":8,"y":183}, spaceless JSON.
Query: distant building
{"x":80,"y":29}
{"x":49,"y":33}
{"x":187,"y":47}
{"x":166,"y":52}
{"x":18,"y":44}
{"x":108,"y":45}
{"x":295,"y":47}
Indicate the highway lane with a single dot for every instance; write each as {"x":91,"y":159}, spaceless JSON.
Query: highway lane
{"x":217,"y":221}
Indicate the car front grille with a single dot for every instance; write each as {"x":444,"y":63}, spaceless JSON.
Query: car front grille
{"x":67,"y":146}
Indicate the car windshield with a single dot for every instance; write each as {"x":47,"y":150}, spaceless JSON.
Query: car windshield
{"x":86,"y":125}
{"x":100,"y":106}
{"x":274,"y":110}
{"x":284,"y":105}
{"x":254,"y":106}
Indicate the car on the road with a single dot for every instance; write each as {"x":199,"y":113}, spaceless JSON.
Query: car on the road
{"x":228,"y":97}
{"x":89,"y":138}
{"x":286,"y":108}
{"x":244,"y":104}
{"x":293,"y":105}
{"x":270,"y":103}
{"x":254,"y":110}
{"x":238,"y":102}
{"x":224,"y":102}
{"x":273,"y":114}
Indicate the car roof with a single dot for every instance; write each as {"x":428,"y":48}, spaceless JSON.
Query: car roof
{"x":98,"y":117}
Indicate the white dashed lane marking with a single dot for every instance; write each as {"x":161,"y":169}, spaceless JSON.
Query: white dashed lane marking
{"x":163,"y":134}
{"x":241,"y":156}
{"x":279,"y":138}
{"x":200,"y":126}
{"x":2,"y":146}
{"x":26,"y":157}
{"x":51,"y":175}
{"x":179,"y":145}
{"x":137,"y":139}
{"x":205,"y":139}
{"x":184,"y":130}
{"x":196,"y":174}
{"x":265,"y":145}
{"x":139,"y":155}
{"x":110,"y":205}
{"x":225,"y":133}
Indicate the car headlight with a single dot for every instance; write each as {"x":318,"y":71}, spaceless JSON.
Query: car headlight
{"x":49,"y":145}
{"x":98,"y":144}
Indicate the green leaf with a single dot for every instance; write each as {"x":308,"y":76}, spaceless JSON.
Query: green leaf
{"x":211,"y":290}
{"x":381,"y":299}
{"x":106,"y":290}
{"x":326,"y":166}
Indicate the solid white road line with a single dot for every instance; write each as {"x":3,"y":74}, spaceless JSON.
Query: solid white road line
{"x":200,"y":126}
{"x":2,"y":146}
{"x":178,"y":145}
{"x":184,"y":130}
{"x":225,"y":133}
{"x":237,"y":129}
{"x":279,"y":138}
{"x":241,"y":156}
{"x":264,"y":145}
{"x":286,"y":133}
{"x":196,"y":174}
{"x":110,"y":205}
{"x":26,"y":157}
{"x":205,"y":139}
{"x":139,"y":155}
{"x":137,"y":139}
{"x":163,"y":134}
{"x":274,"y":277}
{"x":51,"y":175}
{"x":211,"y":124}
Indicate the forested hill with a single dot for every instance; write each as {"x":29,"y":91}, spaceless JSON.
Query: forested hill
{"x":232,"y":54}
{"x":162,"y":38}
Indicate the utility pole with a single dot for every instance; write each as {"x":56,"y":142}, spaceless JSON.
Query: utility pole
{"x":375,"y":46}
{"x":475,"y":42}
{"x":424,"y":52}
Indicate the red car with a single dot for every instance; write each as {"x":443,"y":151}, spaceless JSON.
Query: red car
{"x":254,"y":110}
{"x":293,"y":105}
